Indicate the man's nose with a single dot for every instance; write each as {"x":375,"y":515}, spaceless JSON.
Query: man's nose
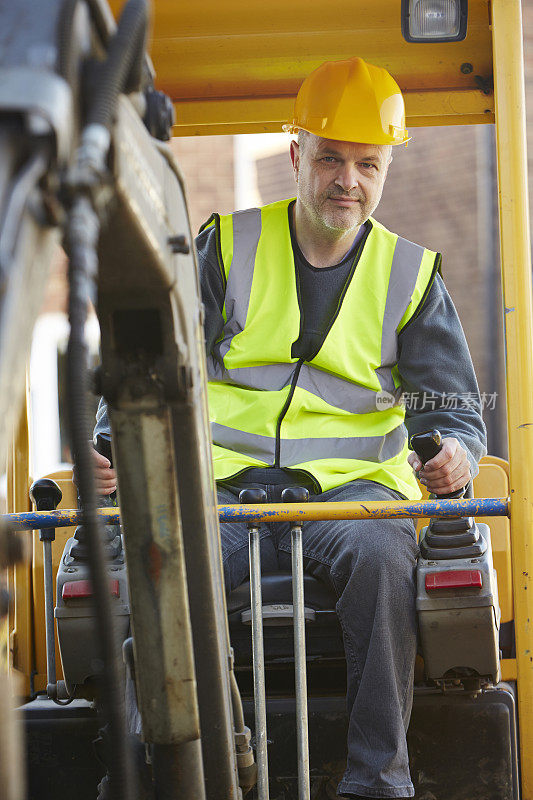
{"x":347,"y":177}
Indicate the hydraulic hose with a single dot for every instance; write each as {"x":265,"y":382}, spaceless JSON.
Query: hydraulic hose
{"x":124,"y":58}
{"x":83,"y":229}
{"x":68,"y":62}
{"x":82,"y":235}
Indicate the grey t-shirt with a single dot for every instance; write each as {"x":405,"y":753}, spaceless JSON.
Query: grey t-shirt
{"x":434,"y":363}
{"x":319,"y":293}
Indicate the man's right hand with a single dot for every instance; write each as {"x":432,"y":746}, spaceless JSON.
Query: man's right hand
{"x":105,"y":476}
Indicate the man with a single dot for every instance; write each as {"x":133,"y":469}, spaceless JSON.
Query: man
{"x":317,"y":319}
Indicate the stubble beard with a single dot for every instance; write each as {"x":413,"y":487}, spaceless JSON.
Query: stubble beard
{"x":340,"y":218}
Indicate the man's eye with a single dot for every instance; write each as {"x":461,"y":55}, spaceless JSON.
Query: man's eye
{"x":368,"y":165}
{"x":329,"y":159}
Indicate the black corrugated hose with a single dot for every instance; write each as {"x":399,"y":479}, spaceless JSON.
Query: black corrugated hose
{"x":82,"y":235}
{"x":123,"y":62}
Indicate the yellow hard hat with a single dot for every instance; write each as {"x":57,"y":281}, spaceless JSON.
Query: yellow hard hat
{"x":350,"y":101}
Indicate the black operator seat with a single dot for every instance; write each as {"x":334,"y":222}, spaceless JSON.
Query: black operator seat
{"x":323,"y":631}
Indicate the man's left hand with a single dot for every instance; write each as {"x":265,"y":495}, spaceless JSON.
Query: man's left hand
{"x":447,"y":472}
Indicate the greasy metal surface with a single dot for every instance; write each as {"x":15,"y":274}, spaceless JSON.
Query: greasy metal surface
{"x":279,"y":512}
{"x":235,"y":67}
{"x":165,"y":675}
{"x":138,"y":229}
{"x":153,"y":369}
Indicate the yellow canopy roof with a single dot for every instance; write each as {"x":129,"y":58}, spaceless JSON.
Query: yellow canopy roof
{"x":234,"y":66}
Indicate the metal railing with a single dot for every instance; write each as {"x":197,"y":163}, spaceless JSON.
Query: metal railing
{"x":291,"y":512}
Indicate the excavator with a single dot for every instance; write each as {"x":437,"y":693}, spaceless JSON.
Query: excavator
{"x":102,"y":601}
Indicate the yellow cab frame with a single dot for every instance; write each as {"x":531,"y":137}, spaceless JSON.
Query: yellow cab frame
{"x":235,"y":67}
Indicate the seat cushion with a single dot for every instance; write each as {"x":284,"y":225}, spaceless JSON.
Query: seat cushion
{"x":323,"y":633}
{"x":276,"y":587}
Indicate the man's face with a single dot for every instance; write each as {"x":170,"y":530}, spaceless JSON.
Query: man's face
{"x":339,"y":183}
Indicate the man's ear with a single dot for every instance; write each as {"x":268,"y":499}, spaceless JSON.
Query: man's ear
{"x":295,"y":157}
{"x":387,"y":165}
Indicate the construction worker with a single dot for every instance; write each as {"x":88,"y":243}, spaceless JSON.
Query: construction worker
{"x":317,"y":320}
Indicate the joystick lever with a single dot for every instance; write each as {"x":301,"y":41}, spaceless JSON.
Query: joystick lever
{"x":46,"y":496}
{"x":427,"y":445}
{"x":249,"y":497}
{"x":112,"y":540}
{"x":453,"y":537}
{"x":298,"y":494}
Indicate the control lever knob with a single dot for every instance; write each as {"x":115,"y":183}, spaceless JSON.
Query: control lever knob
{"x":252,"y":496}
{"x":46,"y":494}
{"x":454,"y":537}
{"x":427,"y":445}
{"x":295,"y":494}
{"x":103,"y":446}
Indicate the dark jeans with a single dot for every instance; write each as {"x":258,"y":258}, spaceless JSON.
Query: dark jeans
{"x":371,"y":565}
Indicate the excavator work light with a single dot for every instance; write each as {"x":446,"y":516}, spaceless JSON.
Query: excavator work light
{"x":434,"y":20}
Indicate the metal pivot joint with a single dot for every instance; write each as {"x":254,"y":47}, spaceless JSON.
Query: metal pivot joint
{"x":298,"y":494}
{"x":249,"y":497}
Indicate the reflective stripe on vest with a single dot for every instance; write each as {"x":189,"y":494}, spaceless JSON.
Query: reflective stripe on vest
{"x":335,"y":391}
{"x":299,"y":451}
{"x":324,"y":415}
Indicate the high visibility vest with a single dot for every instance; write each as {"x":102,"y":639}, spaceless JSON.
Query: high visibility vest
{"x":338,"y":414}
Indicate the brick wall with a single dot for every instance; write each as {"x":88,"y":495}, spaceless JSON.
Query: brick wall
{"x":275,"y":177}
{"x":430,"y":198}
{"x":207,"y":164}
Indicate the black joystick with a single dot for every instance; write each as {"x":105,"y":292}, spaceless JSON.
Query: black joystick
{"x":295,"y":494}
{"x":427,"y":445}
{"x":112,"y":541}
{"x":250,"y":497}
{"x":103,"y":446}
{"x":45,"y":494}
{"x":453,"y":537}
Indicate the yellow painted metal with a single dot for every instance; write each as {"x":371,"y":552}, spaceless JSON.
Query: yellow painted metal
{"x":282,"y":512}
{"x":508,"y":669}
{"x":19,"y":577}
{"x":517,"y":289}
{"x":64,"y":481}
{"x":235,"y":67}
{"x":493,"y":481}
{"x":267,"y":115}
